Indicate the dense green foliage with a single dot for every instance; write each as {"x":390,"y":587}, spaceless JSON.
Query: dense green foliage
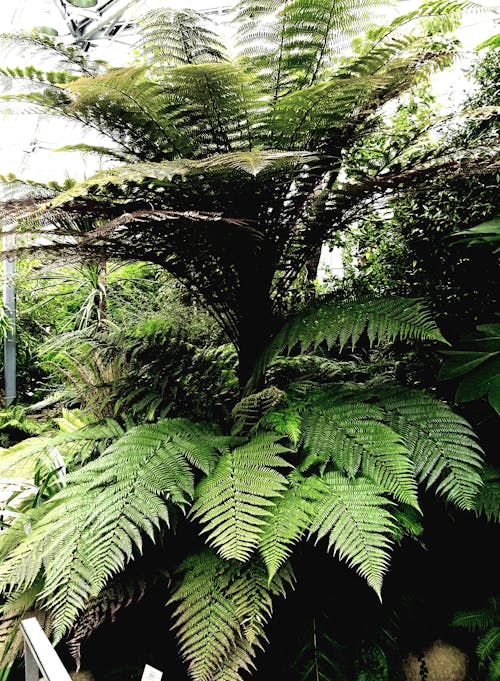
{"x":222,"y":446}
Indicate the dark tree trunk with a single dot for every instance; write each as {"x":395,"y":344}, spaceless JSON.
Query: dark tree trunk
{"x":312,"y":264}
{"x":256,"y":322}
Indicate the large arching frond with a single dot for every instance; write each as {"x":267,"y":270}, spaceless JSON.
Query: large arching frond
{"x":441,"y":444}
{"x":88,"y":532}
{"x":289,"y":520}
{"x":382,"y":319}
{"x":170,"y":36}
{"x":354,"y":438}
{"x":353,"y":514}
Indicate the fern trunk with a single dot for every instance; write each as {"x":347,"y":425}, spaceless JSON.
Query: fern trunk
{"x":256,"y":320}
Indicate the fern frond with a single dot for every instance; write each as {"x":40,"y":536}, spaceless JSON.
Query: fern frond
{"x":34,"y":74}
{"x":489,"y":645}
{"x":286,"y":421}
{"x":233,"y":502}
{"x":319,"y":29}
{"x":123,"y":591}
{"x":441,"y":444}
{"x":353,"y":515}
{"x":323,"y":657}
{"x":89,"y":530}
{"x":478,"y":620}
{"x":68,"y":58}
{"x":13,"y":612}
{"x":488,"y":498}
{"x":221,"y":610}
{"x":289,"y":520}
{"x":185,"y":36}
{"x":494,"y":667}
{"x":251,"y":163}
{"x":248,"y":412}
{"x":383,"y":320}
{"x":95,"y":149}
{"x":353,"y":436}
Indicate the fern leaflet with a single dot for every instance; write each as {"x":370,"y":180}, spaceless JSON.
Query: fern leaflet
{"x":221,"y":610}
{"x":441,"y":444}
{"x":353,"y":436}
{"x":353,"y":515}
{"x":233,"y":502}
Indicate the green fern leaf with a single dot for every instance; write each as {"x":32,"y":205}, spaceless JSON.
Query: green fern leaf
{"x":359,"y":527}
{"x":205,"y":620}
{"x":488,"y":499}
{"x":441,"y":444}
{"x":478,"y":620}
{"x":489,"y":645}
{"x":233,"y":502}
{"x":494,"y":667}
{"x":322,"y":657}
{"x":250,"y":163}
{"x":285,"y":421}
{"x":289,"y":520}
{"x":87,"y":532}
{"x":183,"y":36}
{"x":383,"y":319}
{"x":353,"y":437}
{"x":221,"y":611}
{"x":249,"y":411}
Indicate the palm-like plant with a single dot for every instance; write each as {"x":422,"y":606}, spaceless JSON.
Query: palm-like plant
{"x":231,"y":182}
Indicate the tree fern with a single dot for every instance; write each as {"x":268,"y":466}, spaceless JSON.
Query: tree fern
{"x":220,"y":613}
{"x":233,"y":502}
{"x":383,"y":320}
{"x":353,"y":514}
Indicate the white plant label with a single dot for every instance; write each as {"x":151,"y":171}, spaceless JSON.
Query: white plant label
{"x":151,"y":674}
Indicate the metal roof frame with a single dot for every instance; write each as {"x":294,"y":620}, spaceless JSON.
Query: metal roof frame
{"x":105,"y":20}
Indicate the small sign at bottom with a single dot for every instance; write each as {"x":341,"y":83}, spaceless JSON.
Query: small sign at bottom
{"x":151,"y":674}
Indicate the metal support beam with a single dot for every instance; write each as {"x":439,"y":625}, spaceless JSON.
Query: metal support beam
{"x":9,"y":301}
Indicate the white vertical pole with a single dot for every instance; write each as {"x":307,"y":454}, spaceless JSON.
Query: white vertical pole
{"x":9,"y":300}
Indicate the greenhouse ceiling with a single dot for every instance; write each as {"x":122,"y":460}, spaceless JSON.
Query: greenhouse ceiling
{"x":90,"y":22}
